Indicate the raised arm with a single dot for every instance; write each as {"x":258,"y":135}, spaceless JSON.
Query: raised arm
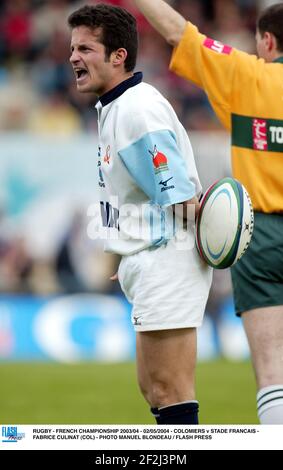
{"x":167,"y":21}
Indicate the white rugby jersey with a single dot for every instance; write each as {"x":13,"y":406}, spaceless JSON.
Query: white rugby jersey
{"x":145,"y":165}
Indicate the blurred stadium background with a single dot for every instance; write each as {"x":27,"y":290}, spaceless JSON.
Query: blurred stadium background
{"x":66,"y":344}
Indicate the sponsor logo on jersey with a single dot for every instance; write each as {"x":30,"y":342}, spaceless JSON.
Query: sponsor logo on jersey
{"x":276,"y":134}
{"x":165,"y":186}
{"x":107,"y":155}
{"x":100,"y":174}
{"x":137,"y":321}
{"x":160,"y":161}
{"x":259,"y":134}
{"x":256,"y":133}
{"x":109,"y":215}
{"x":217,"y":46}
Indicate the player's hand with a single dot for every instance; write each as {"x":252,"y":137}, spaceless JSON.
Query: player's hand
{"x":114,"y":277}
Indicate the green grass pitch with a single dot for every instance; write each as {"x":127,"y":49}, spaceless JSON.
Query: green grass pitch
{"x":92,"y":393}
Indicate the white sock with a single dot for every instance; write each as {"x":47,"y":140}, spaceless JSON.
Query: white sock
{"x":270,"y":404}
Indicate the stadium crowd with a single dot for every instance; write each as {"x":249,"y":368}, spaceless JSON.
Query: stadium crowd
{"x":37,"y":89}
{"x":38,"y":95}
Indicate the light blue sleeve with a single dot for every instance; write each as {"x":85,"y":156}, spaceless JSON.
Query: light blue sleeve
{"x":155,"y":164}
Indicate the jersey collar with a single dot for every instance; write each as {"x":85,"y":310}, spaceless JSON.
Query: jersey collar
{"x":279,"y":59}
{"x":121,"y":88}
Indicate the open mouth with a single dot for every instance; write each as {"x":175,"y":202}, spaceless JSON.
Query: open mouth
{"x":80,"y":74}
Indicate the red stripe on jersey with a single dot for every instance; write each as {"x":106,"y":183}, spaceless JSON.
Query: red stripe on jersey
{"x":217,"y":46}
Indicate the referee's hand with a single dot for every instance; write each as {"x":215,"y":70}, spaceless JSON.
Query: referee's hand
{"x":114,"y":277}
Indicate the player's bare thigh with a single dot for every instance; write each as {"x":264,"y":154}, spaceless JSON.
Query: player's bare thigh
{"x":264,"y":329}
{"x":166,"y":365}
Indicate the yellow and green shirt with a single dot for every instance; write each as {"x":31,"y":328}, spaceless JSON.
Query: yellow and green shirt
{"x":246,"y":93}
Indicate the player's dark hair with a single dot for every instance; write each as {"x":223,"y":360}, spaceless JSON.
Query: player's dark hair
{"x":271,"y":21}
{"x":118,"y":29}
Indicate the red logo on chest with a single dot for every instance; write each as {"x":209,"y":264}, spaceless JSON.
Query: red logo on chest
{"x":159,"y":160}
{"x":259,"y":134}
{"x":107,"y":156}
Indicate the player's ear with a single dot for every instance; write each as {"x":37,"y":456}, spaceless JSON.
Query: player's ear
{"x":269,"y":41}
{"x":273,"y":42}
{"x":119,"y":56}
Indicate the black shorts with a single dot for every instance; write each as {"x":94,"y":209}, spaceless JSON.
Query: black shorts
{"x":258,"y":276}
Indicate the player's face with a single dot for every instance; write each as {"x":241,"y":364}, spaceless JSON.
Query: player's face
{"x":93,"y":71}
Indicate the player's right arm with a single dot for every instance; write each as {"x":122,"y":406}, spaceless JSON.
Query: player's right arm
{"x":221,"y":71}
{"x":167,"y":21}
{"x":194,"y":58}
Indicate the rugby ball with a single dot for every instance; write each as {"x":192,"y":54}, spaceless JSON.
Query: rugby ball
{"x":224,"y":224}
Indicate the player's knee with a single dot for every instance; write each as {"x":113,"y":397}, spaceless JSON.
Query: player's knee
{"x":157,"y":392}
{"x":161,"y":393}
{"x":165,"y":389}
{"x":164,"y":392}
{"x":145,"y":390}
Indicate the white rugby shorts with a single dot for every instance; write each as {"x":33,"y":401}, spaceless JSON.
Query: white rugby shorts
{"x":168,"y":286}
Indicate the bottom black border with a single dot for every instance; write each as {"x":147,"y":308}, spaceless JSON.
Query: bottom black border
{"x":133,"y":458}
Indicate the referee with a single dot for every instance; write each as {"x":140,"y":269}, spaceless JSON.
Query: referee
{"x":246,"y":93}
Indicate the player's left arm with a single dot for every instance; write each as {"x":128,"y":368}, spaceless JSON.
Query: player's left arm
{"x":156,"y":165}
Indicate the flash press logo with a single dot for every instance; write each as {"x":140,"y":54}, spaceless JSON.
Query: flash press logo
{"x":11,"y":434}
